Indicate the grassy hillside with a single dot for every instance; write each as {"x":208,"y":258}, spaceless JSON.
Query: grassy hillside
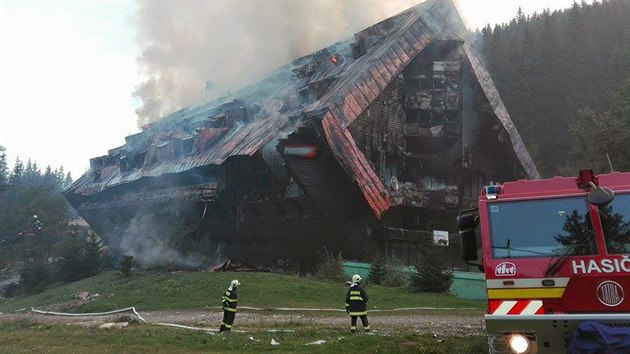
{"x":195,"y":290}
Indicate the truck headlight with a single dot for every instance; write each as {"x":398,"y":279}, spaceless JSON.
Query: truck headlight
{"x":519,"y":343}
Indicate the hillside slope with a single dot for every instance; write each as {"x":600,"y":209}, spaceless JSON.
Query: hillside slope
{"x":196,"y":290}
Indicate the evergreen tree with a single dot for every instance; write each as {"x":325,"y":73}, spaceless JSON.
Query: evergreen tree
{"x":432,"y":273}
{"x":4,"y":169}
{"x":377,"y":270}
{"x":68,"y":180}
{"x":17,"y":174}
{"x":79,"y":257}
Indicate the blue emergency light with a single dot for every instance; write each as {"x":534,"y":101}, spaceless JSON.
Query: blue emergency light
{"x":492,"y":191}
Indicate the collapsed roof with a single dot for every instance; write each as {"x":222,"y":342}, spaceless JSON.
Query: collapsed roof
{"x":332,"y":87}
{"x":347,"y":86}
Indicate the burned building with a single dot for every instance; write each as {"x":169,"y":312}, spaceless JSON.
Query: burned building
{"x":374,"y":142}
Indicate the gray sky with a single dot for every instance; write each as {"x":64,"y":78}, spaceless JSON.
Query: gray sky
{"x":68,"y":68}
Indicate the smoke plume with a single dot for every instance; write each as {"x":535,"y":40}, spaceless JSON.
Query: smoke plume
{"x":186,"y":44}
{"x":145,"y":240}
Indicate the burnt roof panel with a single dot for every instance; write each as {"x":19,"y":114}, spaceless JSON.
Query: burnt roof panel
{"x":354,"y":82}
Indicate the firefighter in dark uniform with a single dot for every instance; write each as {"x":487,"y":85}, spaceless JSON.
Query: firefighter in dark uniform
{"x":356,"y":304}
{"x":229,"y":301}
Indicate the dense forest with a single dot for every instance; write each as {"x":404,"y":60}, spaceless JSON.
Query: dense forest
{"x":562,"y":76}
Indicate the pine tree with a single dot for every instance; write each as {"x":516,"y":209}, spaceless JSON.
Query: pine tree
{"x":17,"y":174}
{"x":432,"y":274}
{"x":49,"y":177}
{"x":68,"y":180}
{"x":377,"y":270}
{"x":79,"y":257}
{"x":4,"y":169}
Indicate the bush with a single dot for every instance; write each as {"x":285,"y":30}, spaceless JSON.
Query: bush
{"x":387,"y":271}
{"x":330,"y":266}
{"x":34,"y":277}
{"x":433,"y":275}
{"x":13,"y":289}
{"x":377,"y":269}
{"x":79,"y":258}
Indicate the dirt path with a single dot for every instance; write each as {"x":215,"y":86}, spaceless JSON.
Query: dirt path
{"x":383,"y":322}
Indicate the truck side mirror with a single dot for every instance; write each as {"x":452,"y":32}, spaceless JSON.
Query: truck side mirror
{"x":468,"y":244}
{"x":467,"y":223}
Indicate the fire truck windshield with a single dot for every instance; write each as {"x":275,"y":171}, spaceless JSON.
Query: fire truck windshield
{"x":541,"y":228}
{"x":616,"y":224}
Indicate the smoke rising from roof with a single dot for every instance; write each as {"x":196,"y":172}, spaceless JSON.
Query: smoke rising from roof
{"x":235,"y":43}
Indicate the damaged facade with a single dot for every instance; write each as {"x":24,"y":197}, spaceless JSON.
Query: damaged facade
{"x":371,"y":143}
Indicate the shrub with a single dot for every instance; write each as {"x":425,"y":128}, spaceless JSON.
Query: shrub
{"x":330,"y":266}
{"x":79,"y":258}
{"x":34,"y":277}
{"x":377,"y":270}
{"x":433,"y":275}
{"x":387,"y":271}
{"x":13,"y":289}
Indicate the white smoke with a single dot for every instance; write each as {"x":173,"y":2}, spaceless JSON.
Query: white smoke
{"x":145,"y":240}
{"x":431,"y":183}
{"x":234,"y":43}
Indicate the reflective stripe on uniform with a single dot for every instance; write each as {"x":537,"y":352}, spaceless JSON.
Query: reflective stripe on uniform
{"x":354,"y":292}
{"x":229,"y":309}
{"x":230,"y":300}
{"x":226,"y":325}
{"x":363,"y":313}
{"x":356,"y":298}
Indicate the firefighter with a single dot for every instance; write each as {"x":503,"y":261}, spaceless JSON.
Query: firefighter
{"x":356,"y":304}
{"x":228,"y":302}
{"x":37,"y":225}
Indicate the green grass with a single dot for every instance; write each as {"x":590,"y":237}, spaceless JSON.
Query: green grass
{"x":195,"y":290}
{"x":28,"y":337}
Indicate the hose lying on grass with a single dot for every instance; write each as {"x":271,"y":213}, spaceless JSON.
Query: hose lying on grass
{"x":340,"y":310}
{"x":133,"y":310}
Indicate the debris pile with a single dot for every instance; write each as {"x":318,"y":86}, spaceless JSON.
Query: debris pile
{"x":232,"y":266}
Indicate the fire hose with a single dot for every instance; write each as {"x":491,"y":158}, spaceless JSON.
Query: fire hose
{"x":340,"y":310}
{"x":128,"y":309}
{"x":133,"y":310}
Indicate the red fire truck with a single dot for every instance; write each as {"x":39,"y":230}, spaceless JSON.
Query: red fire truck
{"x":556,"y":256}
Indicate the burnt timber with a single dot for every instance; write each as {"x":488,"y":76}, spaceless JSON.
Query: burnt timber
{"x":372,"y":143}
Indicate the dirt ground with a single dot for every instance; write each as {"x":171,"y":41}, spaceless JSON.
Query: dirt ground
{"x":440,"y":325}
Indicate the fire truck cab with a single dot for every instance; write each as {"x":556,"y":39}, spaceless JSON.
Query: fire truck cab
{"x":556,"y":257}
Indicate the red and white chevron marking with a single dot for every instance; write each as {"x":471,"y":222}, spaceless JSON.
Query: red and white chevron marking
{"x":516,"y":307}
